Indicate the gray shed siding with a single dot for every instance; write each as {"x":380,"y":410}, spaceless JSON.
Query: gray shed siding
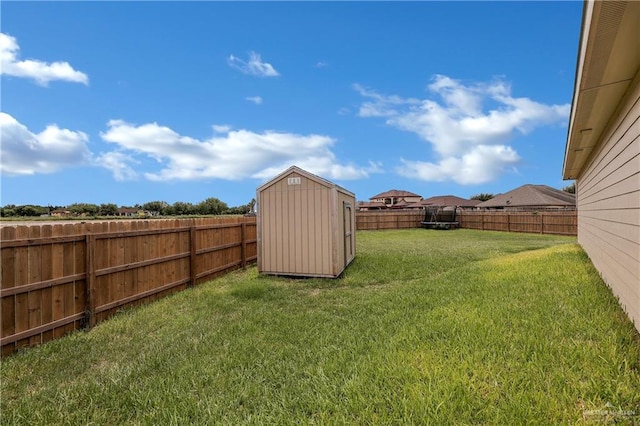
{"x":608,"y":199}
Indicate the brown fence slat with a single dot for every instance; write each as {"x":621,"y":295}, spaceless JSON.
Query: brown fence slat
{"x":54,"y":282}
{"x":217,"y":269}
{"x":127,"y":300}
{"x":21,"y":277}
{"x":40,"y":329}
{"x":57,"y":291}
{"x":47,"y":274}
{"x":135,"y":265}
{"x":67,"y":305}
{"x":8,"y":315}
{"x":26,"y":242}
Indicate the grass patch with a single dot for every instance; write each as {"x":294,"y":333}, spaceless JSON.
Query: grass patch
{"x":423,"y":327}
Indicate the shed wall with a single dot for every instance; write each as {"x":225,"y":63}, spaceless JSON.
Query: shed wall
{"x":608,"y":199}
{"x":296,"y":228}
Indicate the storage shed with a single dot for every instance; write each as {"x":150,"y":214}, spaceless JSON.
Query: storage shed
{"x":306,"y":226}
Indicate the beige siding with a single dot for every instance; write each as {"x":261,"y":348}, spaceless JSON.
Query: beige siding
{"x":300,"y":227}
{"x":609,"y":205}
{"x":346,"y":230}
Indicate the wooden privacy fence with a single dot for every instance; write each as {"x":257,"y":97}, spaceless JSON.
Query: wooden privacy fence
{"x":62,"y":277}
{"x":385,"y":219}
{"x":544,"y":222}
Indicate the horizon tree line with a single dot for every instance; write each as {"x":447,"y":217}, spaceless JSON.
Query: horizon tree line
{"x":209,"y":206}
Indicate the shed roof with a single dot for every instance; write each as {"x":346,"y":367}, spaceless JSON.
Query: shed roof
{"x":308,"y":175}
{"x":531,"y":196}
{"x":449,"y":200}
{"x":395,"y":193}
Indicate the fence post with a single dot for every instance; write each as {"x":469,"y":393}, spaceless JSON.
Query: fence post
{"x":243,"y":246}
{"x":542,"y":222}
{"x":508,"y":222}
{"x":482,"y":220}
{"x":90,"y":242}
{"x":192,"y":256}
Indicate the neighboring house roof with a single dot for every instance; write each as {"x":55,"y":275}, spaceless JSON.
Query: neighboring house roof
{"x":400,"y":204}
{"x":449,"y":200}
{"x":531,"y":196}
{"x":395,"y":193}
{"x":371,"y":205}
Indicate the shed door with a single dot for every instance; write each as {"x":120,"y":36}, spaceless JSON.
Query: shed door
{"x":348,"y":232}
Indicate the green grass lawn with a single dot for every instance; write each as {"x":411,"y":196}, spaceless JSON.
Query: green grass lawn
{"x":425,"y":327}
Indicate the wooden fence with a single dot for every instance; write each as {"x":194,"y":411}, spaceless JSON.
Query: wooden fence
{"x":62,"y":277}
{"x":545,"y":222}
{"x":384,"y":219}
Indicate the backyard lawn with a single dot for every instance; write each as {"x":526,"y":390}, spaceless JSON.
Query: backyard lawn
{"x":425,"y":327}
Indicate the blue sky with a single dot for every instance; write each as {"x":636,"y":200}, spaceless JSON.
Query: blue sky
{"x":114,"y":102}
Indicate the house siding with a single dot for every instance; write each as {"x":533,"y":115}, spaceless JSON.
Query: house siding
{"x":608,"y":200}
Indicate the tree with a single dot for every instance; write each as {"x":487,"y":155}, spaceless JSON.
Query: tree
{"x":157,"y":208}
{"x":238,"y":210}
{"x":571,"y":189}
{"x":482,"y":196}
{"x":108,"y":209}
{"x":8,"y":211}
{"x":84,"y":209}
{"x":29,"y":211}
{"x":211,"y":206}
{"x":180,"y":208}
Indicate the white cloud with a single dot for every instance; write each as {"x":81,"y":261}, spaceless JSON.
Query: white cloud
{"x":380,"y":106}
{"x":221,"y":128}
{"x":255,"y":99}
{"x":231,"y":155}
{"x":460,"y":130}
{"x":482,"y":164}
{"x":321,"y":64}
{"x":254,"y":66}
{"x":27,"y":153}
{"x":118,"y":163}
{"x":41,"y":72}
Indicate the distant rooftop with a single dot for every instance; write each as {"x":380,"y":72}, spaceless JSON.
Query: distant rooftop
{"x":395,"y":193}
{"x":531,"y":196}
{"x":449,"y":200}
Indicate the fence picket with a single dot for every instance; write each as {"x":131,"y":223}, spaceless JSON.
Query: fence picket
{"x":8,"y":317}
{"x":21,"y":277}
